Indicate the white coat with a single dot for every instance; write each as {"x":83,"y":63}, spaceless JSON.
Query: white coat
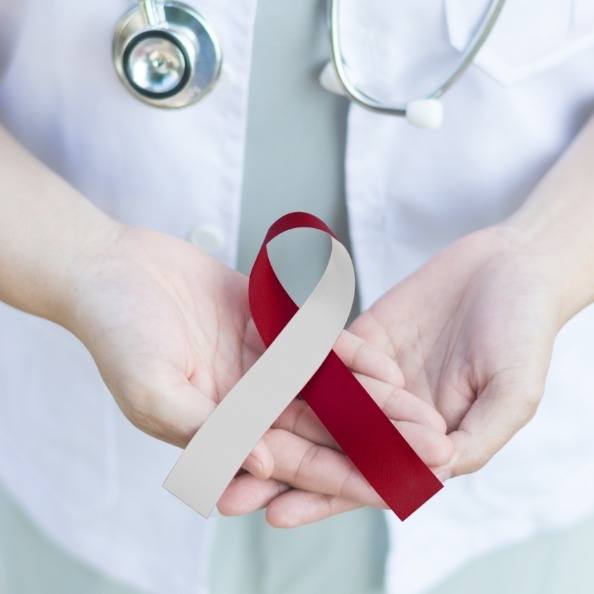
{"x":66,"y":452}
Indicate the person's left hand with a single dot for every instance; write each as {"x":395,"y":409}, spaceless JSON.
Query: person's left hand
{"x":472,"y":331}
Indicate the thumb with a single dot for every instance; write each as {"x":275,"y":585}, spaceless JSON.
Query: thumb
{"x":504,"y":406}
{"x":173,"y":411}
{"x":192,"y":409}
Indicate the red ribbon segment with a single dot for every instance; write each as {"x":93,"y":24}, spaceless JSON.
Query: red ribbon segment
{"x":341,"y":403}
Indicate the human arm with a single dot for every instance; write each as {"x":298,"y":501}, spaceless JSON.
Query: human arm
{"x":123,"y":292}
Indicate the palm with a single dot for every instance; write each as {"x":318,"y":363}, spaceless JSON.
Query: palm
{"x":472,"y":332}
{"x":169,"y":330}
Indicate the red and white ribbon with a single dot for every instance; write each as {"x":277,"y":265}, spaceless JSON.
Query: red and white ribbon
{"x":299,"y":360}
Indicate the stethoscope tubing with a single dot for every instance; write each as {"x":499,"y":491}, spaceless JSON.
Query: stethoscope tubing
{"x":155,"y":18}
{"x":360,"y":97}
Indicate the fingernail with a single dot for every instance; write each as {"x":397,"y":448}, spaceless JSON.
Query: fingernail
{"x":254,"y":465}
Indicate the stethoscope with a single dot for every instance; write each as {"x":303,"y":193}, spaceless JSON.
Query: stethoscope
{"x":167,"y":55}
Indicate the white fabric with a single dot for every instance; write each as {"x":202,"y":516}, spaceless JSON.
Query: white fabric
{"x":90,"y":479}
{"x":180,"y":172}
{"x":422,"y":190}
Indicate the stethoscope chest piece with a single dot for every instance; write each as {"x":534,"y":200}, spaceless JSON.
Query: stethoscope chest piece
{"x":166,"y":54}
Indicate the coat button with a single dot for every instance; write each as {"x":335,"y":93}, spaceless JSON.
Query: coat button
{"x":206,"y":238}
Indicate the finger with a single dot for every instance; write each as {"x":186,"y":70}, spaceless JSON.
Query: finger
{"x":499,"y":412}
{"x":396,"y":403}
{"x":360,"y":357}
{"x":246,"y":494}
{"x":170,"y":410}
{"x":260,"y":462}
{"x":299,"y":418}
{"x":433,"y":447}
{"x":287,"y":507}
{"x":399,"y":404}
{"x":312,"y":467}
{"x":295,"y":508}
{"x":443,"y":472}
{"x":305,"y":465}
{"x":367,"y":327}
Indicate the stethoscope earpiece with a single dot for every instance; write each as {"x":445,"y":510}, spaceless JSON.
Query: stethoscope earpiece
{"x":425,"y":113}
{"x":165,"y":53}
{"x":422,"y":113}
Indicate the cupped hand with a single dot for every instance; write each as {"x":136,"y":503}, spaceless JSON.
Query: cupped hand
{"x":472,"y":332}
{"x":168,"y":328}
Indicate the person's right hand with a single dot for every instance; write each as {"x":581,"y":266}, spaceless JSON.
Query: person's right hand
{"x":170,"y":330}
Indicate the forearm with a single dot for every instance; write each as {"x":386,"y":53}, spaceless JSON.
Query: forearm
{"x":46,"y":227}
{"x":556,"y":223}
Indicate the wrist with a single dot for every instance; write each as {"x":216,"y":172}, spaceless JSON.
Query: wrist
{"x":94,"y":242}
{"x":561,"y":252}
{"x":554,"y":226}
{"x":47,"y":230}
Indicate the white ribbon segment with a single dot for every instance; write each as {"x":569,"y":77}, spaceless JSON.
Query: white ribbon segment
{"x":217,"y":451}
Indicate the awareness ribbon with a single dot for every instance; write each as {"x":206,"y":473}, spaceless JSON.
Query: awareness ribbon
{"x":299,"y":360}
